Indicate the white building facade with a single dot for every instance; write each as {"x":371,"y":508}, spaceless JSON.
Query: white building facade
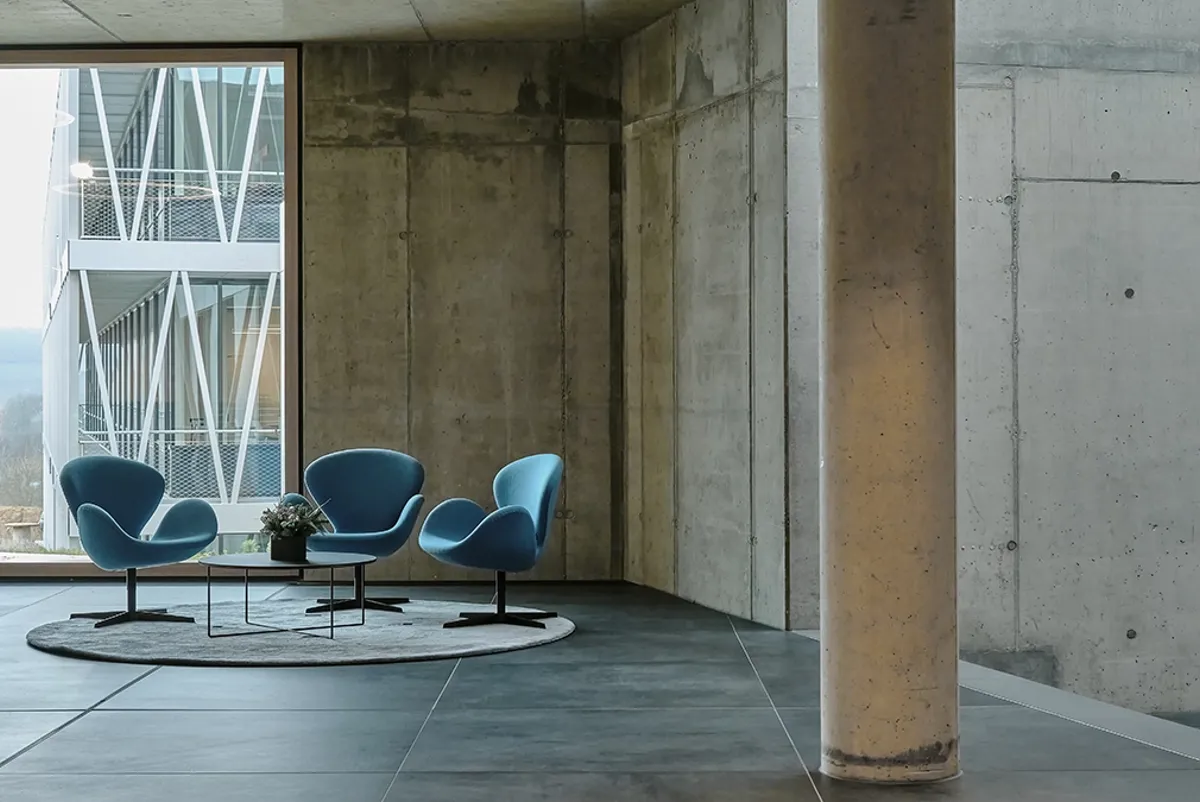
{"x":163,"y":284}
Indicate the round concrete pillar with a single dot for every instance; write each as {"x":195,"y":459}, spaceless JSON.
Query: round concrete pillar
{"x":889,"y":671}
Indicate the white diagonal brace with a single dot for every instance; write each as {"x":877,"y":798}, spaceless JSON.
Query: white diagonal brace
{"x":148,"y":159}
{"x":101,"y":376}
{"x":164,"y":331}
{"x":284,"y":455}
{"x":252,"y":395}
{"x":251,"y":137}
{"x":202,"y":379}
{"x":209,"y":159}
{"x":111,"y":165}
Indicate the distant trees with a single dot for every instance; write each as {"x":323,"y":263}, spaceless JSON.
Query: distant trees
{"x":21,"y":451}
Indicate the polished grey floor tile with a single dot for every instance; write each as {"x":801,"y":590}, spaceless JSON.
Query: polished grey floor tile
{"x":1016,"y":739}
{"x":410,"y":687}
{"x":472,"y":594}
{"x":195,"y":787}
{"x":238,"y":742}
{"x":493,"y":686}
{"x":608,"y":787}
{"x":591,"y":740}
{"x":19,"y":730}
{"x":588,"y":645}
{"x":789,"y":665}
{"x":33,"y":680}
{"x":970,"y":698}
{"x":20,"y":594}
{"x":1028,"y":786}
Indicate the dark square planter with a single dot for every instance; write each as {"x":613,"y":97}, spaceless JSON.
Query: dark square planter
{"x":289,"y":549}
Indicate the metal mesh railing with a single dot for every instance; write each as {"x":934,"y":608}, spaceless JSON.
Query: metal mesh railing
{"x":179,"y":206}
{"x":185,"y":458}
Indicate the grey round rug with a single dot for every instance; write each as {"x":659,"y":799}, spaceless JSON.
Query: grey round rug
{"x":415,"y":634}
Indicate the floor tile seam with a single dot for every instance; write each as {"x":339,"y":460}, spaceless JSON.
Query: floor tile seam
{"x":387,"y":791}
{"x":281,"y":590}
{"x":227,"y":710}
{"x":55,"y":731}
{"x":779,"y":717}
{"x":21,"y":607}
{"x":183,"y":773}
{"x":545,"y":709}
{"x":10,"y":711}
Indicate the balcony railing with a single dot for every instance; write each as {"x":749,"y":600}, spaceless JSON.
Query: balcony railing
{"x":185,"y":458}
{"x":180,"y":206}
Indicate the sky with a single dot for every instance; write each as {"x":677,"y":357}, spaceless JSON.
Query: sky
{"x":27,"y":103}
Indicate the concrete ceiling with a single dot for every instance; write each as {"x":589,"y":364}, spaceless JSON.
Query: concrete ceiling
{"x":83,"y":22}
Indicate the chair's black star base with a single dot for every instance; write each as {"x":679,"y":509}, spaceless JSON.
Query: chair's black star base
{"x":532,"y":620}
{"x":383,"y":605}
{"x":111,"y":613}
{"x":501,"y":615}
{"x":131,"y":612}
{"x":127,"y":617}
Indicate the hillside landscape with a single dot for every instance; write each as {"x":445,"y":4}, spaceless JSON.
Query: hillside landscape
{"x":20,"y":363}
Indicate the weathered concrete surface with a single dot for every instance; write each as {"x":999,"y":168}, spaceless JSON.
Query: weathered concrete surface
{"x":712,"y":293}
{"x":705,"y":307}
{"x":768,"y":374}
{"x":1109,"y":452}
{"x":803,"y":219}
{"x":649,"y":339}
{"x":459,"y":260}
{"x":1075,"y":124}
{"x":589,"y":360}
{"x":1037,"y":152}
{"x":986,"y":207}
{"x":889,"y":646}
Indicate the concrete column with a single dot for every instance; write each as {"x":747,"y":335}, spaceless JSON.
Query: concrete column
{"x":889,"y":670}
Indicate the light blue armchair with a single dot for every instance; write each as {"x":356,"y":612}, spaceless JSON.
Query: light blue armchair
{"x":112,"y":500}
{"x":372,"y":497}
{"x":510,"y":540}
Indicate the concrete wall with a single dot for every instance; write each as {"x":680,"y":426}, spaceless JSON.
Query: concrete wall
{"x":1078,"y":363}
{"x":1078,"y":236}
{"x":705,"y":310}
{"x":461,"y":243}
{"x":1078,"y":359}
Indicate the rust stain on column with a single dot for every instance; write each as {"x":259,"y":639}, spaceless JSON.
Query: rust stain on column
{"x":888,"y":551}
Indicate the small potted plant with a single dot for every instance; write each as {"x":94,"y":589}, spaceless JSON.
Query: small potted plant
{"x":289,"y":526}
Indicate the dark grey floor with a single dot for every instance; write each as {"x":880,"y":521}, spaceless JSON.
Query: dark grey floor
{"x":651,"y":699}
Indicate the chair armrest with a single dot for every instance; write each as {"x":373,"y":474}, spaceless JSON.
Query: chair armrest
{"x":106,"y":543}
{"x":455,"y":515}
{"x":408,"y":517}
{"x":188,"y":519}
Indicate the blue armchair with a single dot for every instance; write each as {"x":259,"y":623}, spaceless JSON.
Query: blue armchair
{"x":112,"y":499}
{"x":509,"y":540}
{"x":372,"y":497}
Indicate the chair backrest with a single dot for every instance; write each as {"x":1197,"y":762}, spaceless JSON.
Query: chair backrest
{"x":364,"y":489}
{"x":532,"y":483}
{"x":128,"y":490}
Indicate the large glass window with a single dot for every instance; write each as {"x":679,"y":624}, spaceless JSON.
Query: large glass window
{"x":163,"y":285}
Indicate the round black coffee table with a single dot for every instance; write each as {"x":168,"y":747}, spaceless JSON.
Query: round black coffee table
{"x":262,"y":562}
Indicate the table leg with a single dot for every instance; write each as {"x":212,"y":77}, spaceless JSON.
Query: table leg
{"x":360,"y":590}
{"x":331,"y":606}
{"x":246,"y":595}
{"x":208,"y":595}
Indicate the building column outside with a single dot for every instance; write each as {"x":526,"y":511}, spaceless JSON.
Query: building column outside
{"x":889,"y":669}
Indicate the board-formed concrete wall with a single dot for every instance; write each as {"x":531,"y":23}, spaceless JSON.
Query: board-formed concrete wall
{"x":460,"y":250}
{"x":1078,"y":363}
{"x":705,"y":308}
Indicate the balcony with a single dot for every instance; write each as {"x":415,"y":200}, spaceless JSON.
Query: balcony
{"x":180,"y":206}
